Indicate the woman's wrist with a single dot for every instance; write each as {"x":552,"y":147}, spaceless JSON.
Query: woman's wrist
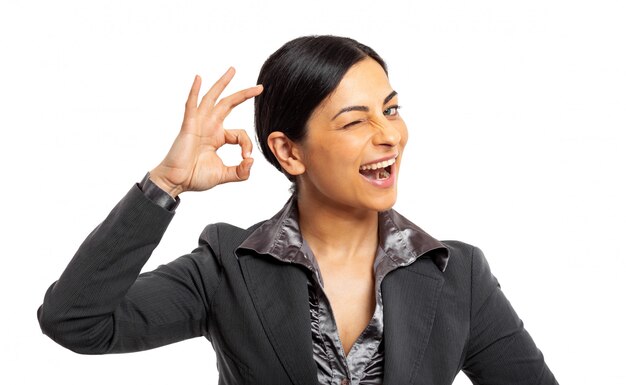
{"x":157,"y":194}
{"x":173,"y":190}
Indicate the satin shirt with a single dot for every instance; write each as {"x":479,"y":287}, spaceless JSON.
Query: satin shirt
{"x":281,"y":238}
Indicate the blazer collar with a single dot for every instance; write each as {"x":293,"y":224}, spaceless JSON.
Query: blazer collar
{"x":411,"y":297}
{"x":280,"y":296}
{"x":278,"y":285}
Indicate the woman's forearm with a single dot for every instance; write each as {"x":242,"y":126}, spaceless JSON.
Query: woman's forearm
{"x":77,"y":311}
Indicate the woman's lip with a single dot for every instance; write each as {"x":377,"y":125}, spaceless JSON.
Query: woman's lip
{"x":385,"y":183}
{"x":379,"y":160}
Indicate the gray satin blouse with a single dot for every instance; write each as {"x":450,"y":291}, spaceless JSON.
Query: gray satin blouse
{"x":280,"y":237}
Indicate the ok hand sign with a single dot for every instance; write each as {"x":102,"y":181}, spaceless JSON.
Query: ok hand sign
{"x":192,"y":164}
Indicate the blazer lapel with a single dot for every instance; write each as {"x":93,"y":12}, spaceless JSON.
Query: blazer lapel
{"x":281,"y":299}
{"x":410,"y":297}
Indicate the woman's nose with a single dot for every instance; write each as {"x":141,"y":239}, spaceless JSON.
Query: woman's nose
{"x":386,"y":134}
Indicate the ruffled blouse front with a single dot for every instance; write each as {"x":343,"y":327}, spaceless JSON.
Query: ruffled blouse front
{"x":400,"y":244}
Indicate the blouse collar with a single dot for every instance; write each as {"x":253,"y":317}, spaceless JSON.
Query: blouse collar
{"x":400,"y":239}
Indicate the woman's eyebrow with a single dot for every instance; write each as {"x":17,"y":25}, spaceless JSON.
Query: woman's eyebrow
{"x":389,"y":97}
{"x":364,"y":108}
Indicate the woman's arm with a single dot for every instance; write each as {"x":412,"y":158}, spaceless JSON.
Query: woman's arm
{"x":500,"y":350}
{"x":99,"y":304}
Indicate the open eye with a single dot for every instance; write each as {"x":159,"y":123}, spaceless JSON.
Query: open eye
{"x":391,"y":111}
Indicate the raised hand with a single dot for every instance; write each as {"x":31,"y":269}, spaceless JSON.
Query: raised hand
{"x":192,"y":164}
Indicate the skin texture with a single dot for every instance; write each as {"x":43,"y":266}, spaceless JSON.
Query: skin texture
{"x":192,"y":164}
{"x":358,"y":124}
{"x":338,"y":207}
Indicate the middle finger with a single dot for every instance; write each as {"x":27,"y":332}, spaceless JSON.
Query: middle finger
{"x":209,"y":99}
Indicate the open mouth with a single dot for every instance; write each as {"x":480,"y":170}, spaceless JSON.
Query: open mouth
{"x":377,"y":171}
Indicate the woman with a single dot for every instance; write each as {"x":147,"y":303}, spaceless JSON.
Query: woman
{"x":336,"y":288}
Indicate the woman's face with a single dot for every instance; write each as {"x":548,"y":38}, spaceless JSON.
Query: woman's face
{"x":354,"y":142}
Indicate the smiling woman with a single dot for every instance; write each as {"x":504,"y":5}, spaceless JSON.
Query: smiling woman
{"x":350,"y":139}
{"x":336,"y":288}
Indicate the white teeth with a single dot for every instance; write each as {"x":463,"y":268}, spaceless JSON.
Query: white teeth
{"x":374,"y":166}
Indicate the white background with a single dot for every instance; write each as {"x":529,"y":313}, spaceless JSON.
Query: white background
{"x":516,"y":112}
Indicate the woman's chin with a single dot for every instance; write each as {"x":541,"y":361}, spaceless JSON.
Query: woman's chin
{"x":384,"y":202}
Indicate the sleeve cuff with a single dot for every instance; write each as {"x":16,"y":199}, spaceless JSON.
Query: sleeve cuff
{"x":157,"y":195}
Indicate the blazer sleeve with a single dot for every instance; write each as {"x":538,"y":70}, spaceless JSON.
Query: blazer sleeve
{"x":500,"y":350}
{"x":101,"y":304}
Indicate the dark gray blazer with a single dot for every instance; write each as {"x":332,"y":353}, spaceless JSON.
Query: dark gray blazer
{"x":255,"y":309}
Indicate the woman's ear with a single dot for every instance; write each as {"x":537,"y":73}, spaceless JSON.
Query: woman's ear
{"x":286,"y":152}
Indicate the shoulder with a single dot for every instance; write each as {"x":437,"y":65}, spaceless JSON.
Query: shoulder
{"x":465,"y":255}
{"x":458,"y":248}
{"x":224,"y":238}
{"x":215,"y":251}
{"x":469,"y":265}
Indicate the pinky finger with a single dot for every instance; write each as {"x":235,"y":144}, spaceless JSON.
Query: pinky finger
{"x":192,"y":99}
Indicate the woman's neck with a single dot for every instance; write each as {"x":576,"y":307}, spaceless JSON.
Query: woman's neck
{"x":338,"y":233}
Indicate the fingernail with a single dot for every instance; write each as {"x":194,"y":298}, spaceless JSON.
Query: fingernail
{"x":247,"y":154}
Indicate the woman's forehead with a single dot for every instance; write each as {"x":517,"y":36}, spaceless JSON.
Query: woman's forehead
{"x":365,"y":83}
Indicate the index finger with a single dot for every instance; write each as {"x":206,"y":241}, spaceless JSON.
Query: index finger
{"x":223,"y":108}
{"x":241,"y":138}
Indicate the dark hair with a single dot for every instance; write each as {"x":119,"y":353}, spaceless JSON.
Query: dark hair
{"x":296,"y":79}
